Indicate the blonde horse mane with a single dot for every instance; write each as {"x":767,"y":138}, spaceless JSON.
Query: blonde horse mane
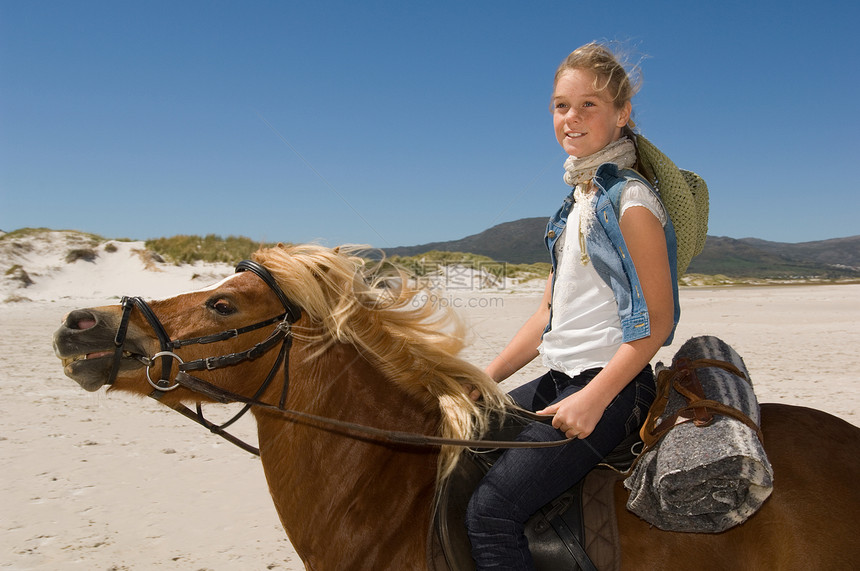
{"x":412,"y":342}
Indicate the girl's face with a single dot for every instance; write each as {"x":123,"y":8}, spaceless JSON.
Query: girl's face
{"x":585,"y":120}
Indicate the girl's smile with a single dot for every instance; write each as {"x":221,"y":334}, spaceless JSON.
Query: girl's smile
{"x":585,"y":119}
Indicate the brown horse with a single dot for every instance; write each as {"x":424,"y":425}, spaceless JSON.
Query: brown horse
{"x":347,"y":348}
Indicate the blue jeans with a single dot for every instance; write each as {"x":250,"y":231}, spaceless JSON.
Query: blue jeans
{"x":524,"y":480}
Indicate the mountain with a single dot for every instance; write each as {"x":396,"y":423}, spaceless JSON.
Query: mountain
{"x":521,"y":242}
{"x":517,"y":242}
{"x":752,"y":257}
{"x":837,"y":252}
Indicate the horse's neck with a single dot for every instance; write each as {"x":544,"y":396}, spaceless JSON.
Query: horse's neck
{"x":341,"y":496}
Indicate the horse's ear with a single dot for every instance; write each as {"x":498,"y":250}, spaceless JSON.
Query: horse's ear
{"x":321,"y":270}
{"x":322,"y":267}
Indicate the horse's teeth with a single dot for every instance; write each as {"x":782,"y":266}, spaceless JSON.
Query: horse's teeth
{"x":125,"y":354}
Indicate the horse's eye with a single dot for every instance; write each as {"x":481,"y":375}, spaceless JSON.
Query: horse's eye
{"x":222,"y":307}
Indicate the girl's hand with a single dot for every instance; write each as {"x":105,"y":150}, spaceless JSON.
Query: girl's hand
{"x":576,"y":415}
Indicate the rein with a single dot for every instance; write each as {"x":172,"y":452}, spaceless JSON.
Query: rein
{"x":282,"y":334}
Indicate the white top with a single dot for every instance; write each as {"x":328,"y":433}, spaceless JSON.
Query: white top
{"x":586,"y":329}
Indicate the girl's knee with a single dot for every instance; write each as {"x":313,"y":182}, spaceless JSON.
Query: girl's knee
{"x":485,"y":506}
{"x":488,"y":508}
{"x":478,"y":509}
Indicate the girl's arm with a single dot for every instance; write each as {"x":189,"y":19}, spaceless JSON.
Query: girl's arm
{"x":578,"y":414}
{"x":524,"y":345}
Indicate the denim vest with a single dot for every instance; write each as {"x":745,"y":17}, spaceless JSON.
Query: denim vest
{"x":608,"y":252}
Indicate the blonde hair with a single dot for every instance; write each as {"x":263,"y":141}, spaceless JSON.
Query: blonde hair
{"x":610,"y":74}
{"x":412,"y":342}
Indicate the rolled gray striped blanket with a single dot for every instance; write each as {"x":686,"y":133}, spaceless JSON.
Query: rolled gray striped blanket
{"x":711,"y":478}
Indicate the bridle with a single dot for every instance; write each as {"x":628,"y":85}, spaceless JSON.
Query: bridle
{"x":280,"y":337}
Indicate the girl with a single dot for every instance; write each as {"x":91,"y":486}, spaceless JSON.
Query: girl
{"x":610,"y":303}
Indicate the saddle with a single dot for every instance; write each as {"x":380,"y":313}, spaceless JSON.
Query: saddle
{"x":577,"y":530}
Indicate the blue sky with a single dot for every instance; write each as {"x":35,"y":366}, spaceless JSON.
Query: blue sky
{"x":400,"y":123}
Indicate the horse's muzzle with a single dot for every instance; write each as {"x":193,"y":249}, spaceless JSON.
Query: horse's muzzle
{"x":85,"y":344}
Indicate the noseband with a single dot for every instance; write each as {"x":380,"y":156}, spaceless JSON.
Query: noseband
{"x":282,"y":335}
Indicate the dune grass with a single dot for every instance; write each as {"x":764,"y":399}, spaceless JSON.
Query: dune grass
{"x":184,"y":249}
{"x":430,"y":262}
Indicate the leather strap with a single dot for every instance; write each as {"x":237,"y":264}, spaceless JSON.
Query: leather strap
{"x":572,"y":544}
{"x":683,"y":378}
{"x":392,"y":436}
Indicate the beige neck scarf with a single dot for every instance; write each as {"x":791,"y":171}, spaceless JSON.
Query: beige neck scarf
{"x":580,"y":171}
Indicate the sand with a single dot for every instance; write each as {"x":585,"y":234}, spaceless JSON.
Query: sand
{"x":92,"y":481}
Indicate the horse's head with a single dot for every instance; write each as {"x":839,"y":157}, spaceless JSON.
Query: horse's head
{"x":218,"y":343}
{"x":139,"y":346}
